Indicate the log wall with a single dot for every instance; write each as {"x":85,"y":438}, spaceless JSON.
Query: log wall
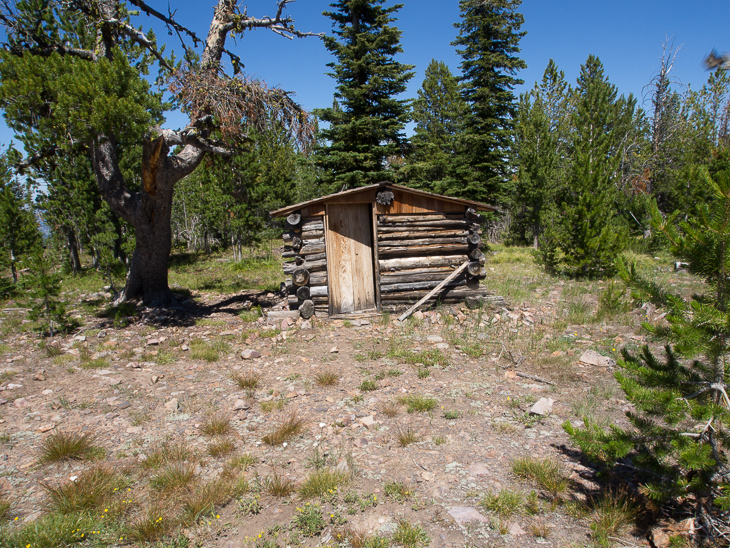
{"x":305,"y":265}
{"x":417,"y":252}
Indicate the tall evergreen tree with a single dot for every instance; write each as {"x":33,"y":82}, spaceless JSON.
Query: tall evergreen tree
{"x":592,"y":233}
{"x":19,"y":233}
{"x":541,"y":152}
{"x":678,"y":443}
{"x":437,"y":112}
{"x":366,"y":124}
{"x":488,"y":42}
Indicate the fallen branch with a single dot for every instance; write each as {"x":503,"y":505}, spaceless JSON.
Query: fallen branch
{"x":534,"y":378}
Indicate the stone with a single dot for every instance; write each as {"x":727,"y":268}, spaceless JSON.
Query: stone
{"x":477,"y":470}
{"x":134,"y":430}
{"x":241,"y":405}
{"x":306,"y":325}
{"x":542,"y":407}
{"x":435,"y":339}
{"x":334,"y":350}
{"x":515,"y":530}
{"x":184,"y":347}
{"x":13,"y":386}
{"x":47,"y":392}
{"x":173,"y":405}
{"x":153,"y":342}
{"x":466,"y":514}
{"x":591,"y":357}
{"x":46,"y":428}
{"x":133,"y":365}
{"x":124,"y":405}
{"x":40,"y":375}
{"x":367,"y":422}
{"x":3,"y":402}
{"x":20,"y":402}
{"x":250,"y":354}
{"x":111,"y":416}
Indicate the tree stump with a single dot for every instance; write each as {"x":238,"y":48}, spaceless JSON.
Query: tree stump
{"x":474,"y":268}
{"x":300,"y":276}
{"x":306,"y":309}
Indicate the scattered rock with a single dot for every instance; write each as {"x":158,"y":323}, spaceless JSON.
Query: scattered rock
{"x":241,"y":405}
{"x":515,"y":530}
{"x":367,"y":422}
{"x":46,"y":428}
{"x":184,"y":347}
{"x":153,"y":342}
{"x":124,"y":405}
{"x":466,"y":514}
{"x":334,"y":350}
{"x":40,"y":375}
{"x":306,"y":325}
{"x":133,"y":365}
{"x":542,"y":407}
{"x":173,"y":405}
{"x":434,"y":339}
{"x":250,"y":354}
{"x":478,"y":470}
{"x":591,"y":357}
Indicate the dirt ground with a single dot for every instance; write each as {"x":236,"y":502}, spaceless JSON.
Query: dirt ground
{"x":140,"y":386}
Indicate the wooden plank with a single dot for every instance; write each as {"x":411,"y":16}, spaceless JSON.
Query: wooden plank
{"x":350,"y":258}
{"x":416,"y":234}
{"x":423,"y":250}
{"x":435,"y":290}
{"x":409,"y":263}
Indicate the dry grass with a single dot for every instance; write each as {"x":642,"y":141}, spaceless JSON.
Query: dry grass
{"x":549,"y":473}
{"x":321,"y":483}
{"x":221,"y":448}
{"x":204,"y":498}
{"x":406,"y":436}
{"x":149,"y":525}
{"x":390,"y":409}
{"x":64,"y":446}
{"x":248,"y":381}
{"x":216,"y":425}
{"x":172,"y":477}
{"x":278,"y":485}
{"x":327,"y":377}
{"x":93,"y":489}
{"x":291,"y":427}
{"x":166,"y":453}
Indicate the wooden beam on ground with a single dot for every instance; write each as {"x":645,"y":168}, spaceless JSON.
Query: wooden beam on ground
{"x":433,"y":292}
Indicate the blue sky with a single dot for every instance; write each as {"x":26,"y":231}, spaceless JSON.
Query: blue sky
{"x":626,"y":35}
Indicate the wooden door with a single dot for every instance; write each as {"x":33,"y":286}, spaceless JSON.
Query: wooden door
{"x":349,"y":242}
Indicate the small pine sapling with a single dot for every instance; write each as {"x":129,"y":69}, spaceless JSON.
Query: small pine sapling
{"x":45,"y":306}
{"x":679,"y":439}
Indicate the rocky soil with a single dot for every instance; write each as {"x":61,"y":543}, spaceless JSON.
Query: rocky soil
{"x":138,"y":386}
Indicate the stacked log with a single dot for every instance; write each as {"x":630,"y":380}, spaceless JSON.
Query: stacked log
{"x":417,"y":252}
{"x":306,"y":264}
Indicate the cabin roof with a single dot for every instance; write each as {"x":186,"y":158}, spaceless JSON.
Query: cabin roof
{"x":447,"y":199}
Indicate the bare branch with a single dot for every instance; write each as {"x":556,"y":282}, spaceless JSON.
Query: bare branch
{"x":30,"y":161}
{"x":189,"y":136}
{"x":140,"y":37}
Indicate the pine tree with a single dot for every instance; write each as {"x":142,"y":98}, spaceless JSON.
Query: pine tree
{"x":366,"y":124}
{"x":437,"y":111}
{"x":542,"y":133}
{"x":488,"y":42}
{"x":19,"y":232}
{"x":679,"y":440}
{"x":45,"y":307}
{"x":591,"y":232}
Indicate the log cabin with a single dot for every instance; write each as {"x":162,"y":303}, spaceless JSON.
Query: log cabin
{"x":381,"y":247}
